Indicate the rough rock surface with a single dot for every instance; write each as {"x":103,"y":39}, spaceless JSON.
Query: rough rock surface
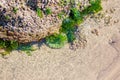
{"x":24,"y":25}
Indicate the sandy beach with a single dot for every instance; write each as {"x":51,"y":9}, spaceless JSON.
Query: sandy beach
{"x":98,"y":60}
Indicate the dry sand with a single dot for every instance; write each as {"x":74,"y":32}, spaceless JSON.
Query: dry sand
{"x":99,"y":60}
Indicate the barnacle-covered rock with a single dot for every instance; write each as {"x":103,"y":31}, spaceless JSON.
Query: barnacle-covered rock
{"x":19,"y":20}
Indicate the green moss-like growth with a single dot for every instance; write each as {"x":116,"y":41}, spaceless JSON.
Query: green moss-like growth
{"x":67,"y":25}
{"x":15,"y":9}
{"x":74,"y":19}
{"x":2,"y":43}
{"x":8,"y":45}
{"x":39,"y":12}
{"x":76,"y":15}
{"x":26,"y":48}
{"x":66,"y":34}
{"x":69,"y":29}
{"x":7,"y":17}
{"x":56,"y":40}
{"x":11,"y":45}
{"x":48,"y":11}
{"x":71,"y":36}
{"x":93,"y":8}
{"x":61,"y":15}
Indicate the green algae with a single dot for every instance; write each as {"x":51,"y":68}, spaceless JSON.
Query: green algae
{"x":75,"y":18}
{"x":67,"y":30}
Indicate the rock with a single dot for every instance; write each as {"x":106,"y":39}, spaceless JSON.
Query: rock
{"x":20,"y":22}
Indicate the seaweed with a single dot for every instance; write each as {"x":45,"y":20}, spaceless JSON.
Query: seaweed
{"x":76,"y":15}
{"x":75,"y":18}
{"x":67,"y":25}
{"x":15,"y":9}
{"x":68,"y":28}
{"x":48,"y":11}
{"x":8,"y":46}
{"x":2,"y":43}
{"x":39,"y":12}
{"x":7,"y":17}
{"x":93,"y":8}
{"x":11,"y":45}
{"x":27,"y":48}
{"x":56,"y":40}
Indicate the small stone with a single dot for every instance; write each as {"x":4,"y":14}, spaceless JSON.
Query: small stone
{"x":95,"y":31}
